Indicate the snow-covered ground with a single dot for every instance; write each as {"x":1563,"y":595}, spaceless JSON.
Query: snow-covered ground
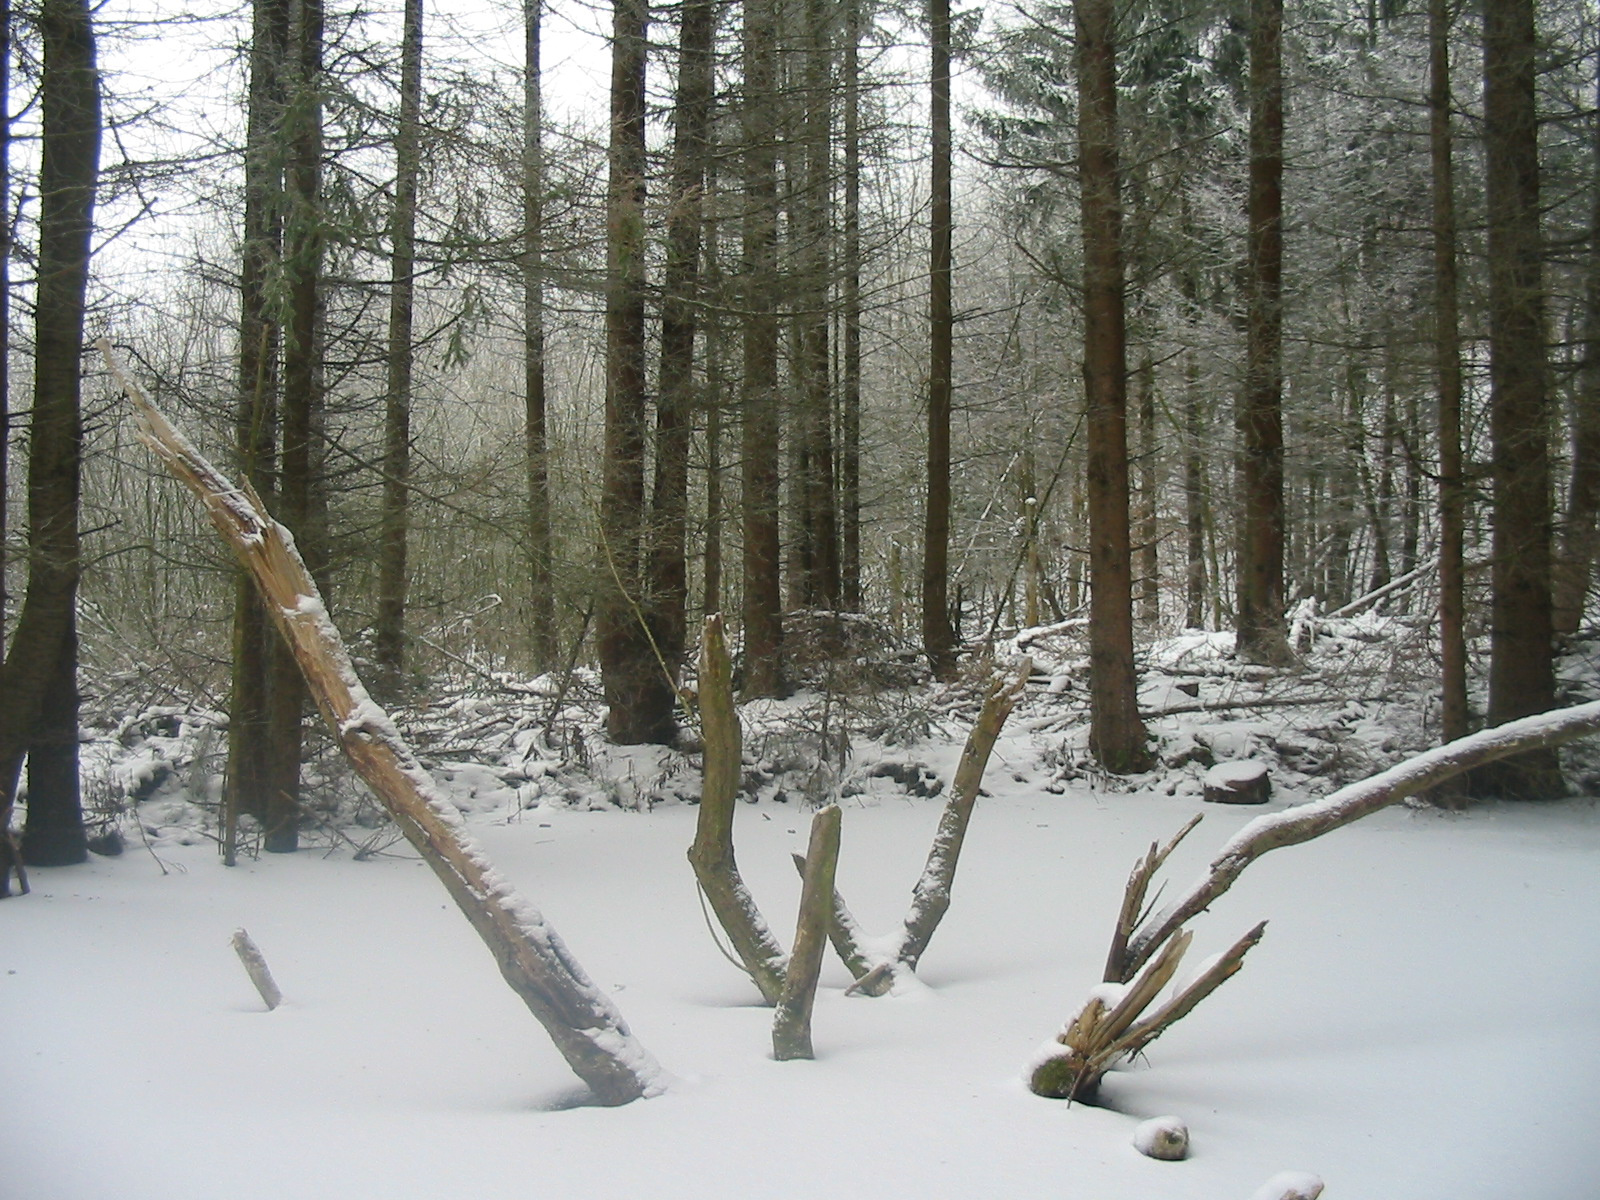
{"x":1419,"y":1022}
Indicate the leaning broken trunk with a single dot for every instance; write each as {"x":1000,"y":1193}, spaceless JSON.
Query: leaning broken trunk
{"x":582,"y":1022}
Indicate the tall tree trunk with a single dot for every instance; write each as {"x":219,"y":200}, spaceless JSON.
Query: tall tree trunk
{"x":39,"y":680}
{"x":938,"y":637}
{"x":1194,"y":595}
{"x":302,"y":497}
{"x":541,"y":587}
{"x":1149,"y":534}
{"x":628,"y":663}
{"x":7,"y":235}
{"x":711,"y":569}
{"x":850,"y":594}
{"x":390,"y":633}
{"x":815,"y":424}
{"x":1580,"y":534}
{"x":1261,"y":633}
{"x":1522,"y":658}
{"x":763,"y":593}
{"x":252,"y":774}
{"x":667,"y":587}
{"x":1116,"y":734}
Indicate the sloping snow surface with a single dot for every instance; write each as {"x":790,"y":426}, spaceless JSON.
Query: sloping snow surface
{"x":1421,"y":1021}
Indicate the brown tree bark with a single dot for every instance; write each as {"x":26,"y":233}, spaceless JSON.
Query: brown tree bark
{"x":1580,"y":531}
{"x":666,"y":588}
{"x":938,"y":635}
{"x":1117,"y":735}
{"x":1260,"y":620}
{"x":1522,"y":651}
{"x":1447,"y":371}
{"x":763,"y":594}
{"x":850,"y":593}
{"x":39,"y":679}
{"x":541,"y":581}
{"x":389,"y":633}
{"x":252,"y":773}
{"x":629,"y":666}
{"x":302,"y":499}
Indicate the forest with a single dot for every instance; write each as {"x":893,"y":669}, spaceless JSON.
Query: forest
{"x":709,"y":403}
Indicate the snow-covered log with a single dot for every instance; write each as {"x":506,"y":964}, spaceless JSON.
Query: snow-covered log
{"x":1303,"y":822}
{"x":585,"y":1026}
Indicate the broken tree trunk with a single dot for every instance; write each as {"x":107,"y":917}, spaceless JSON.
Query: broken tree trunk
{"x":930,"y":898}
{"x":589,"y":1032}
{"x":1292,"y":826}
{"x":1111,"y":1025}
{"x":712,"y":852}
{"x":791,"y":1025}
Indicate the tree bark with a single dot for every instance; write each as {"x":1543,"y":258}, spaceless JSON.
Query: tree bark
{"x":667,"y":586}
{"x":763,"y":593}
{"x":1522,"y":652}
{"x":1261,"y":632}
{"x":253,"y":775}
{"x":850,"y":592}
{"x":629,"y":666}
{"x":938,"y":636}
{"x":389,"y":635}
{"x":1447,"y":371}
{"x":541,"y":581}
{"x":588,"y":1031}
{"x":38,"y":681}
{"x":1117,"y":735}
{"x":1580,"y":534}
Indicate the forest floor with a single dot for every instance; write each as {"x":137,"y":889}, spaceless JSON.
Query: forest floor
{"x":1419,"y":1021}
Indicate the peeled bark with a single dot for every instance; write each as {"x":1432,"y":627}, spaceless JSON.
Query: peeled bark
{"x":588,"y":1031}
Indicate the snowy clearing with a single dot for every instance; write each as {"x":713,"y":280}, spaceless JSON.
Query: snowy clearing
{"x":1419,"y":1021}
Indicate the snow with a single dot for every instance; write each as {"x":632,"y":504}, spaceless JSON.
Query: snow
{"x":1381,"y":1036}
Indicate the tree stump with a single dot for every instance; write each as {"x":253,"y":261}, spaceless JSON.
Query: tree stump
{"x":1241,"y":782}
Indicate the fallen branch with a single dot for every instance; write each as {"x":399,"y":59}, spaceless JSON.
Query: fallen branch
{"x":1292,"y":826}
{"x":588,"y":1031}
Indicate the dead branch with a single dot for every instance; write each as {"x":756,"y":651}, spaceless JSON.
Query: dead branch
{"x":1133,"y":909}
{"x":712,"y":855}
{"x":930,"y":898}
{"x":580,"y":1019}
{"x":1292,"y":826}
{"x":791,"y":1024}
